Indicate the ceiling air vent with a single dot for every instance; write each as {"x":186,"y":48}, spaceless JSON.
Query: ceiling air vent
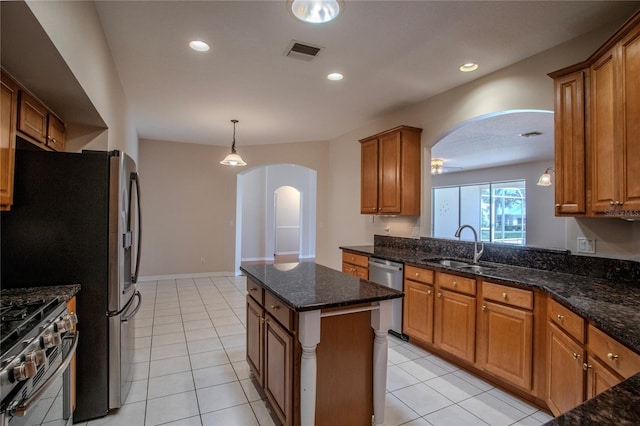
{"x":529,"y":134}
{"x":304,"y":51}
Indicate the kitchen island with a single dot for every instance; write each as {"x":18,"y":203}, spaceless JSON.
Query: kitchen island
{"x":317,"y":343}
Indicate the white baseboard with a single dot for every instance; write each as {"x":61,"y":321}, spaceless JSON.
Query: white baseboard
{"x":180,"y":276}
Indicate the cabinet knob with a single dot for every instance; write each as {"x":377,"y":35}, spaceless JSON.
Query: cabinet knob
{"x":417,"y":274}
{"x":262,"y":319}
{"x":557,"y":206}
{"x":483,"y":307}
{"x":586,"y":366}
{"x":575,"y":356}
{"x":455,"y":284}
{"x":439,"y":294}
{"x":504,"y":295}
{"x":429,"y":292}
{"x":253,"y":289}
{"x":274,"y":307}
{"x":612,"y":203}
{"x":612,"y":357}
{"x":620,"y":203}
{"x":560,"y":317}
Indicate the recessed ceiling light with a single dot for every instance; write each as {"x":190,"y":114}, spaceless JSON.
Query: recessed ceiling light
{"x":335,"y":76}
{"x":199,"y":46}
{"x":469,"y":66}
{"x":316,"y":11}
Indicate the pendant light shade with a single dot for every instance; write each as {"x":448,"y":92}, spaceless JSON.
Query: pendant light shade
{"x":233,"y":159}
{"x":545,"y":178}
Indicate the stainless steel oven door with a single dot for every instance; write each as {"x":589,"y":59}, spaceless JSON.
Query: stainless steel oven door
{"x":50,"y":400}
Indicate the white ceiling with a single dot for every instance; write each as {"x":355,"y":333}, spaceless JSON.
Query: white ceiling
{"x":392,"y":53}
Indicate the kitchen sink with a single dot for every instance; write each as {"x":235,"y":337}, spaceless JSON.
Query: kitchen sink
{"x":453,"y":263}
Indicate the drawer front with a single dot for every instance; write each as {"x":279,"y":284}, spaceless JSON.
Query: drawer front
{"x":571,"y":322}
{"x":356,"y":271}
{"x":418,"y":274}
{"x":278,"y":310}
{"x":613,"y":354}
{"x":255,"y":291}
{"x":355,"y":259}
{"x":508,"y":295}
{"x":457,"y":283}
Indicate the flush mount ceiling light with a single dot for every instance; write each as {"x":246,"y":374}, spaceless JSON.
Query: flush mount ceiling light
{"x":316,"y":11}
{"x":335,"y":76}
{"x":530,"y":134}
{"x":468,"y":67}
{"x":199,"y":46}
{"x":233,"y":159}
{"x":545,"y":178}
{"x":437,"y":166}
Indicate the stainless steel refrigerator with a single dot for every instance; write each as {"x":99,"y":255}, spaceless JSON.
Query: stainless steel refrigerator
{"x":76,"y":219}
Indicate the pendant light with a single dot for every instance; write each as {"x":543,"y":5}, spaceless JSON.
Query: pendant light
{"x":233,"y":159}
{"x":545,"y":178}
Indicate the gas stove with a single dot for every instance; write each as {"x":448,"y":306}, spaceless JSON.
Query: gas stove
{"x":37,"y":343}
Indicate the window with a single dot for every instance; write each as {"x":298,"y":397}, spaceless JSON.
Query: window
{"x":497,"y":210}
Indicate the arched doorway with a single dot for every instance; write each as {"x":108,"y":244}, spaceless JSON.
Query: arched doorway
{"x":287,"y":230}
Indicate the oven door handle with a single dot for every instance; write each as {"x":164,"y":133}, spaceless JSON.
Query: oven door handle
{"x":22,"y":408}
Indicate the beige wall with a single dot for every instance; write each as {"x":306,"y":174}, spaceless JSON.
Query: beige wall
{"x":76,"y":32}
{"x":189,"y":201}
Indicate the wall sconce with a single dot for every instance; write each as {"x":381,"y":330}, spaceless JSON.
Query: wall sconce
{"x":233,"y":159}
{"x":545,"y":178}
{"x":437,"y":166}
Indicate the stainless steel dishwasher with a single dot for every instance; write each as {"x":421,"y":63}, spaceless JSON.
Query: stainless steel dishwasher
{"x":389,"y":274}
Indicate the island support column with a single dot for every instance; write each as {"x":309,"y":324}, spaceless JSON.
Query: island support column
{"x":309,"y":338}
{"x":380,"y":322}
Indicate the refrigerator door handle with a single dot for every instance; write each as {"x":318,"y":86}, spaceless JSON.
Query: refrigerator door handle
{"x":125,"y":307}
{"x":135,"y":311}
{"x":134,"y":178}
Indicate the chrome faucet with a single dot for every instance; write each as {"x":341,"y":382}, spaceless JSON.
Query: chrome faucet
{"x":476,"y":253}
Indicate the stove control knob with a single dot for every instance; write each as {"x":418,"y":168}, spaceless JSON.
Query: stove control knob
{"x":38,"y":357}
{"x":66,"y":323}
{"x":50,"y":340}
{"x":24,"y":371}
{"x":72,"y":318}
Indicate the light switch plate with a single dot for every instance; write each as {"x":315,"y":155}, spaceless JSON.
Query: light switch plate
{"x":586,"y":245}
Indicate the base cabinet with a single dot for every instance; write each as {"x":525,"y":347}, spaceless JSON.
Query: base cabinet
{"x":355,"y":264}
{"x":565,"y":375}
{"x":255,"y":339}
{"x":278,"y":361}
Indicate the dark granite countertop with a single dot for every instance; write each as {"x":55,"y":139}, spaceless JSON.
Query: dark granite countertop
{"x":612,"y":306}
{"x":29,"y":294}
{"x":307,"y":286}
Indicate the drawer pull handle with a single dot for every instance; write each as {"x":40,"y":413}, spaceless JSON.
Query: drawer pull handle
{"x":483,"y":307}
{"x":560,"y":317}
{"x":612,"y":357}
{"x":274,"y":307}
{"x":586,"y":366}
{"x":504,"y":295}
{"x":455,"y":284}
{"x":576,"y":356}
{"x":253,"y":289}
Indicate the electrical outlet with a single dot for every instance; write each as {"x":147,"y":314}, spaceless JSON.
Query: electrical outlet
{"x":202,"y":260}
{"x":387,"y":230}
{"x":586,"y":245}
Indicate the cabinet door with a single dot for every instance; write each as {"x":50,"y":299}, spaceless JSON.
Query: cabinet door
{"x":455,"y":324}
{"x":505,"y":343}
{"x":565,"y":375}
{"x":570,"y":150}
{"x":278,"y":359}
{"x":56,"y":133}
{"x":32,"y":118}
{"x":418,"y":311}
{"x":630,"y":92}
{"x":369,"y":176}
{"x":599,"y":378}
{"x":603,"y":139}
{"x":389,"y":161}
{"x":255,"y":339}
{"x":9,"y":105}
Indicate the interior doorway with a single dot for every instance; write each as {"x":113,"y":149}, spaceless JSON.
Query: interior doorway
{"x":286,"y":202}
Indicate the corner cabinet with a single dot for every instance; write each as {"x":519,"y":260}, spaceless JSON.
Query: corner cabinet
{"x":390,"y":172}
{"x":597,"y":105}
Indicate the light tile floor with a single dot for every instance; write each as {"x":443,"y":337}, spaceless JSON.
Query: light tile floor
{"x":190,"y":369}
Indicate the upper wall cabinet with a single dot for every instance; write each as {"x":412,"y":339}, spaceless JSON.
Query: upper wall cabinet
{"x":9,"y":104}
{"x":597,"y":130}
{"x":390,"y":172}
{"x":39,"y":125}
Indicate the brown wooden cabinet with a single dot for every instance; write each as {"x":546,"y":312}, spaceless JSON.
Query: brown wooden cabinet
{"x":39,"y":125}
{"x":505,"y":334}
{"x":455,"y":315}
{"x":597,"y":103}
{"x":278,"y":372}
{"x":390,"y":172}
{"x":565,"y":375}
{"x":355,"y":264}
{"x":570,"y":149}
{"x":418,"y":303}
{"x":255,"y":339}
{"x":9,"y":106}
